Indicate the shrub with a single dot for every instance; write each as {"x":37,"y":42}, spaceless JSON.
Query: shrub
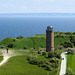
{"x":54,"y":60}
{"x":48,"y":67}
{"x":70,"y":51}
{"x":69,"y":72}
{"x":19,"y":37}
{"x":68,"y":33}
{"x":11,"y":46}
{"x":41,"y":46}
{"x":43,"y":53}
{"x":40,"y":63}
{"x":44,"y":65}
{"x":72,"y":39}
{"x":32,"y":60}
{"x":57,"y":55}
{"x":14,"y":40}
{"x":67,"y":44}
{"x":51,"y":54}
{"x":25,"y":48}
{"x":39,"y":52}
{"x":60,"y":47}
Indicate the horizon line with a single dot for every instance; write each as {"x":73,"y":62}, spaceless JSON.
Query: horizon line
{"x":36,"y":13}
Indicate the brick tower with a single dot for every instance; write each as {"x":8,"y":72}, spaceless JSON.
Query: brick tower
{"x":49,"y":39}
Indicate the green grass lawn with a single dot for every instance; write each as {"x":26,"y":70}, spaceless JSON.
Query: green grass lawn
{"x":71,"y":62}
{"x":19,"y":65}
{"x":1,"y":58}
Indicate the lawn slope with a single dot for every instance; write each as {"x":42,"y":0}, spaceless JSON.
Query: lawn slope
{"x":19,"y":65}
{"x":71,"y":62}
{"x":36,"y":42}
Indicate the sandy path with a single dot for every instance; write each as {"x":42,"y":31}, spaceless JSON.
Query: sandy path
{"x":6,"y":56}
{"x":63,"y":64}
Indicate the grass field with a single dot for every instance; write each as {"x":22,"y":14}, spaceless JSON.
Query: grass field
{"x":71,"y":62}
{"x":19,"y":65}
{"x":1,"y":58}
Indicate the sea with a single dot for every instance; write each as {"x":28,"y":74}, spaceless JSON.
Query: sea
{"x":30,"y":24}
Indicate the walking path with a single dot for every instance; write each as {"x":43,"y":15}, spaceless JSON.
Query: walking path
{"x":6,"y":56}
{"x":63,"y":64}
{"x":10,"y":53}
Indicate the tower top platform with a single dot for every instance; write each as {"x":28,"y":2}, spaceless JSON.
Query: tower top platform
{"x":50,"y":28}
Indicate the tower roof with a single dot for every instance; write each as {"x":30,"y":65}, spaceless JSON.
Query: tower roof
{"x":49,"y":28}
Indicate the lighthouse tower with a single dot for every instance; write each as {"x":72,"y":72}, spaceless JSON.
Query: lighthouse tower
{"x":49,"y":39}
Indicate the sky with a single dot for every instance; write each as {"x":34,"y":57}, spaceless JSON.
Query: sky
{"x":37,"y":6}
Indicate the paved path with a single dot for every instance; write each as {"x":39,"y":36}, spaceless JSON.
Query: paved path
{"x":63,"y":64}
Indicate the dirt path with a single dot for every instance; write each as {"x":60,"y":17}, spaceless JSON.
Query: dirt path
{"x":10,"y":53}
{"x":6,"y":55}
{"x":63,"y":64}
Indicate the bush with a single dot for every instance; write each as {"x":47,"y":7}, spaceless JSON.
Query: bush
{"x":54,"y":60}
{"x":41,"y":46}
{"x":25,"y":48}
{"x":39,"y":52}
{"x":14,"y":40}
{"x":19,"y":37}
{"x":60,"y":47}
{"x":57,"y":55}
{"x":41,"y":63}
{"x":68,"y":33}
{"x":48,"y":67}
{"x":72,"y":39}
{"x":70,"y":51}
{"x":32,"y":60}
{"x":51,"y":54}
{"x":69,"y":72}
{"x":44,"y":65}
{"x":67,"y":44}
{"x":11,"y":46}
{"x":43,"y":53}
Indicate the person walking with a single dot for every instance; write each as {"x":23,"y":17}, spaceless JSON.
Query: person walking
{"x":7,"y":50}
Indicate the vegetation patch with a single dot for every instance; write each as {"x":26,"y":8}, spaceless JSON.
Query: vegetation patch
{"x":71,"y":64}
{"x":19,"y":65}
{"x":48,"y":61}
{"x":1,"y":58}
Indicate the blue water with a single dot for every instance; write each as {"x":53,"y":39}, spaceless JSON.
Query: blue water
{"x":30,"y":25}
